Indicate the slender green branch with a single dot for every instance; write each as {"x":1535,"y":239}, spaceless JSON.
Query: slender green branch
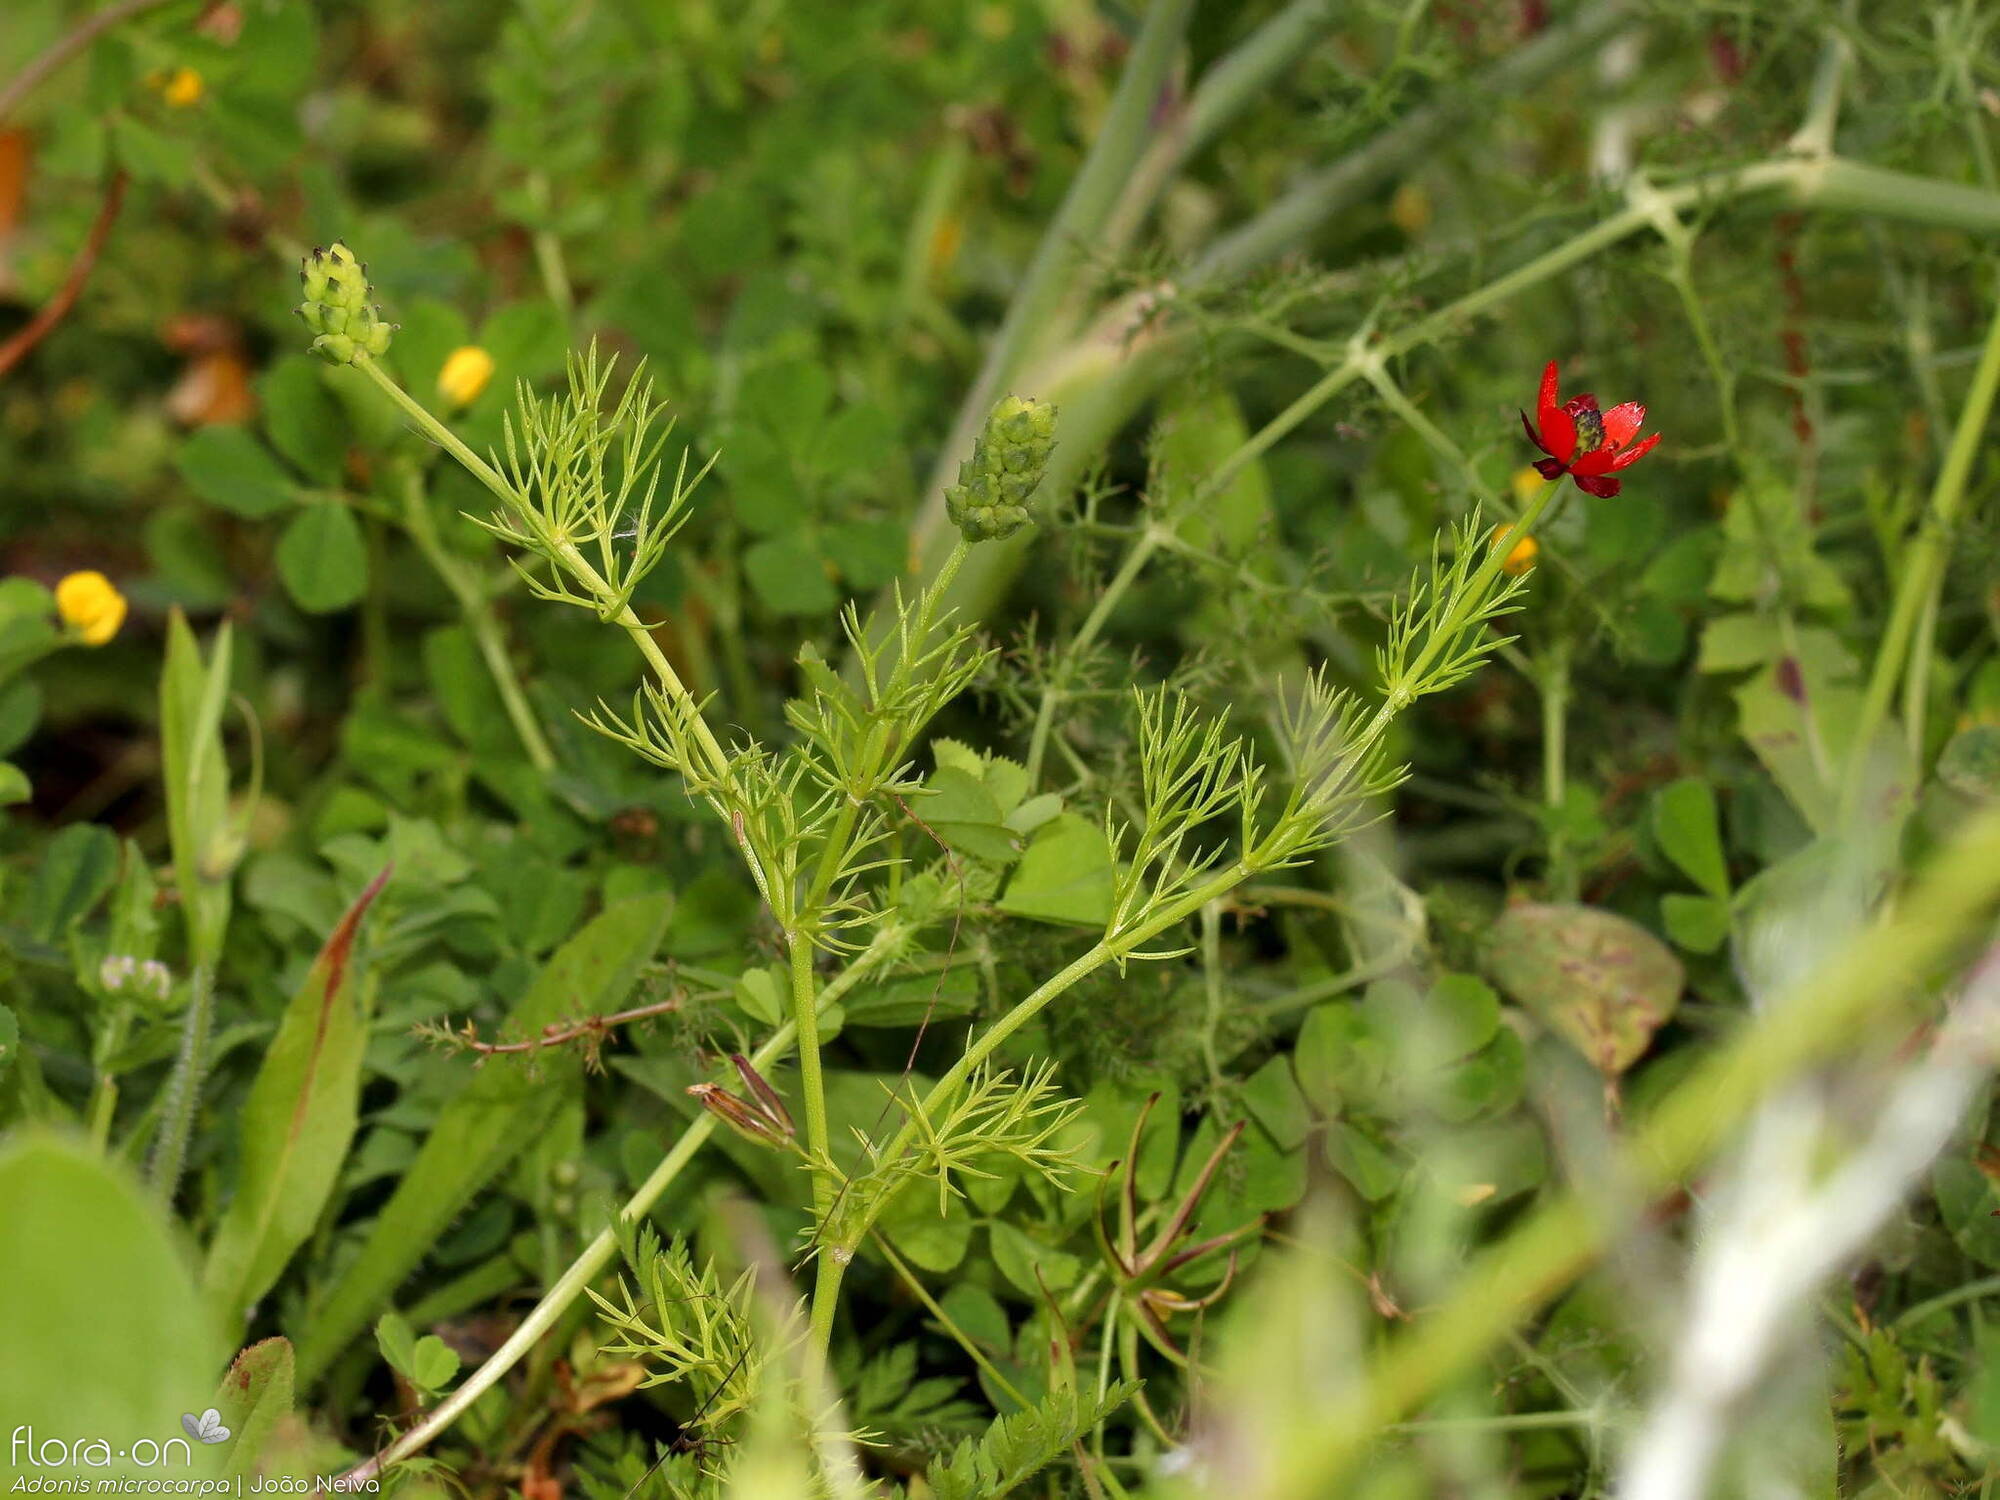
{"x":958,"y":1335}
{"x":598,"y":1254}
{"x":67,"y":46}
{"x":1870,"y":980}
{"x":1091,"y":198}
{"x":1923,"y":570}
{"x":477,"y":610}
{"x":1227,"y":88}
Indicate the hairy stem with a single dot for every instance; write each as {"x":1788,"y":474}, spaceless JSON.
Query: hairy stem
{"x":181,"y":1099}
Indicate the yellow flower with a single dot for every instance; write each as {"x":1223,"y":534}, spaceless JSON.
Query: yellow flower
{"x":90,"y":606}
{"x":465,"y":373}
{"x":1527,"y":484}
{"x":1410,"y":209}
{"x":182,"y":88}
{"x":1521,"y":556}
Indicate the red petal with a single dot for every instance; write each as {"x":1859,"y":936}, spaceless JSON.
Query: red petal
{"x":1604,"y":489}
{"x":1596,"y":461}
{"x":1631,"y":456}
{"x":1546,"y":402}
{"x":1548,"y":468}
{"x":1558,"y":438}
{"x":1622,"y":423}
{"x":1533,"y":436}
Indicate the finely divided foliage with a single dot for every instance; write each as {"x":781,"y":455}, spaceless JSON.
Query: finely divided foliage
{"x":881,"y":772}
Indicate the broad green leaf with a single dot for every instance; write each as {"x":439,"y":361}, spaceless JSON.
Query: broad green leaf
{"x":151,"y":155}
{"x":1030,"y":1264}
{"x":869,"y":554}
{"x":498,"y":1111}
{"x":1605,"y":983}
{"x":464,"y":690}
{"x":1690,"y":833}
{"x":1064,"y":876}
{"x":302,"y":419}
{"x":1366,"y":1165}
{"x":1969,"y":1203}
{"x":296,"y":1126}
{"x":1272,"y":1096}
{"x":789,"y":577}
{"x":1699,"y":924}
{"x":255,"y":1396}
{"x":322,"y":558}
{"x":20,"y":711}
{"x":921,"y":1235}
{"x":14,"y":785}
{"x":961,"y":810}
{"x":77,"y":867}
{"x":102,"y":1333}
{"x":1970,"y":762}
{"x":228,"y":467}
{"x":1340,"y":1059}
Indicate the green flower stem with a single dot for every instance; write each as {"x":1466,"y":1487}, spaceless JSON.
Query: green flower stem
{"x":1923,"y":574}
{"x":1100,"y":382}
{"x":958,"y":1335}
{"x":181,"y":1099}
{"x":1091,"y":198}
{"x":598,"y":1254}
{"x":1553,"y":680}
{"x":1870,"y":981}
{"x":480,"y":620}
{"x":1230,"y":85}
{"x":718,"y":768}
{"x":812,"y":1096}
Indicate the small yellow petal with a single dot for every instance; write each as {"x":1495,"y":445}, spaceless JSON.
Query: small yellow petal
{"x":90,"y":606}
{"x":1410,"y":209}
{"x":465,"y":373}
{"x":183,"y":88}
{"x":1520,"y":556}
{"x":1527,"y":483}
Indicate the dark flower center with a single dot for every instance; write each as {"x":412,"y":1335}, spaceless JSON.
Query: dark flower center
{"x":1589,"y":425}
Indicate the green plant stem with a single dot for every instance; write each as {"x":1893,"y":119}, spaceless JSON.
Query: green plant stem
{"x":549,"y":252}
{"x":1958,"y":1296}
{"x":596,"y":1255}
{"x":1287,"y":223}
{"x":812,"y":1096}
{"x":1553,"y":680}
{"x":718,"y":767}
{"x":480,"y":621}
{"x":1923,"y":571}
{"x":1229,"y":86}
{"x":182,"y":1094}
{"x":67,"y":46}
{"x":1091,"y":197}
{"x":1870,"y":981}
{"x":958,"y":1335}
{"x":1102,"y":379}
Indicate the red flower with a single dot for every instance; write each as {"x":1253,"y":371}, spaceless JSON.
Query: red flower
{"x":1582,"y":442}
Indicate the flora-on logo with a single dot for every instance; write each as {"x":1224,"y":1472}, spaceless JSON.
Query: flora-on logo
{"x":206,"y":1428}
